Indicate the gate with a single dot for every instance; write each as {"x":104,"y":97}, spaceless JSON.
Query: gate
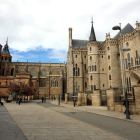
{"x":103,"y":98}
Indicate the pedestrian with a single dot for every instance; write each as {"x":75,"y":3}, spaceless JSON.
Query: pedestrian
{"x":54,"y":98}
{"x":74,"y":101}
{"x":19,"y":101}
{"x":42,"y":99}
{"x":124,"y":104}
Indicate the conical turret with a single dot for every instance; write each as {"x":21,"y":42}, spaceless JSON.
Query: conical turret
{"x":92,"y":34}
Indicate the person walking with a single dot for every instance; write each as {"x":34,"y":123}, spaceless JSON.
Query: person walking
{"x":74,"y":101}
{"x":19,"y":101}
{"x":42,"y":99}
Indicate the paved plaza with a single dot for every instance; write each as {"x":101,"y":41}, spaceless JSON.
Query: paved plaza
{"x":48,"y":121}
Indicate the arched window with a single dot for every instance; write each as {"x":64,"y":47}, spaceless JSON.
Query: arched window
{"x":90,"y":57}
{"x":109,"y":77}
{"x":137,"y":54}
{"x":102,"y":56}
{"x":85,"y":84}
{"x":73,"y":71}
{"x":92,"y":68}
{"x":127,"y":44}
{"x":108,"y":48}
{"x":131,"y":61}
{"x":103,"y":85}
{"x":126,"y":64}
{"x":91,"y":77}
{"x":78,"y":88}
{"x":127,"y":82}
{"x":95,"y":68}
{"x":76,"y":66}
{"x":85,"y":66}
{"x":90,"y":49}
{"x":43,"y":72}
{"x":3,"y":72}
{"x":78,"y":71}
{"x":12,"y":71}
{"x":56,"y":83}
{"x":109,"y":68}
{"x":85,"y":56}
{"x":75,"y":56}
{"x":130,"y":84}
{"x":94,"y":87}
{"x":52,"y":83}
{"x":108,"y":57}
{"x":128,"y":56}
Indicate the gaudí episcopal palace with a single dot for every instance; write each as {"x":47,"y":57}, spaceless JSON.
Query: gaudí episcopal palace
{"x":93,"y":72}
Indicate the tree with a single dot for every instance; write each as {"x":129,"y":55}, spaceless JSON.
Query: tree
{"x":21,"y":89}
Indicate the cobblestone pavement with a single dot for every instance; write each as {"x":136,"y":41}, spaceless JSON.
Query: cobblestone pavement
{"x":48,"y":123}
{"x":9,"y":130}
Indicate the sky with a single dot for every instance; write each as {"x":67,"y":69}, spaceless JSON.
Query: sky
{"x":37,"y":30}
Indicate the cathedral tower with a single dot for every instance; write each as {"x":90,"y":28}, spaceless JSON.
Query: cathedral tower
{"x":93,"y":61}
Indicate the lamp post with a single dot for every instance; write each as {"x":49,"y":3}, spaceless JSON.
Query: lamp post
{"x":123,"y":49}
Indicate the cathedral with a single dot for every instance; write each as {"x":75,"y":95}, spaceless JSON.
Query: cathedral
{"x":93,"y":67}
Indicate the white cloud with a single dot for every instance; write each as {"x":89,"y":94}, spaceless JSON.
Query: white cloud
{"x":33,"y":23}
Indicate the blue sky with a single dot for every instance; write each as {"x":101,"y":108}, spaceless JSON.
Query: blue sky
{"x":37,"y":30}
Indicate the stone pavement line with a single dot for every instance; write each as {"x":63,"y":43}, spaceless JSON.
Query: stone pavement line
{"x":102,"y":111}
{"x":39,"y":123}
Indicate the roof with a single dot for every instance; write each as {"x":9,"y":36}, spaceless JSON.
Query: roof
{"x":5,"y":49}
{"x":127,"y":29}
{"x":92,"y":34}
{"x":82,"y":43}
{"x":79,"y":43}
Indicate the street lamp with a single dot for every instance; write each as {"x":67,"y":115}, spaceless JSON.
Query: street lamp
{"x":123,"y":49}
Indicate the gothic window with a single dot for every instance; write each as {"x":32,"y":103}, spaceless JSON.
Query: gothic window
{"x":44,"y":73}
{"x":95,"y":68}
{"x":56,"y":83}
{"x":12,"y":71}
{"x":102,"y":56}
{"x":129,"y":65}
{"x":90,"y":49}
{"x":109,"y":77}
{"x":73,"y":71}
{"x":91,"y":77}
{"x":91,"y":87}
{"x":102,"y":69}
{"x":92,"y":68}
{"x":85,"y":66}
{"x":126,"y":64}
{"x":78,"y":71}
{"x":85,"y":84}
{"x":42,"y":83}
{"x":108,"y":47}
{"x":52,"y":83}
{"x":103,"y":85}
{"x":76,"y":66}
{"x":75,"y":56}
{"x":130,"y":84}
{"x":90,"y":57}
{"x":127,"y":44}
{"x":136,"y":54}
{"x":94,"y":87}
{"x":131,"y":61}
{"x":127,"y":81}
{"x":78,"y":88}
{"x":3,"y":72}
{"x":109,"y":68}
{"x":108,"y":57}
{"x":33,"y":73}
{"x":110,"y":86}
{"x":128,"y":57}
{"x":85,"y":56}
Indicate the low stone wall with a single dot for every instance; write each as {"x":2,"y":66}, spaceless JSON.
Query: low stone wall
{"x":82,"y":99}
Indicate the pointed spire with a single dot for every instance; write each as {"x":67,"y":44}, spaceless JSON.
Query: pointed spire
{"x":92,"y":34}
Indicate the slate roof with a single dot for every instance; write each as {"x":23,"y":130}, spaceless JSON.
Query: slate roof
{"x":81,"y":43}
{"x":5,"y":49}
{"x":127,"y":29}
{"x":92,"y":34}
